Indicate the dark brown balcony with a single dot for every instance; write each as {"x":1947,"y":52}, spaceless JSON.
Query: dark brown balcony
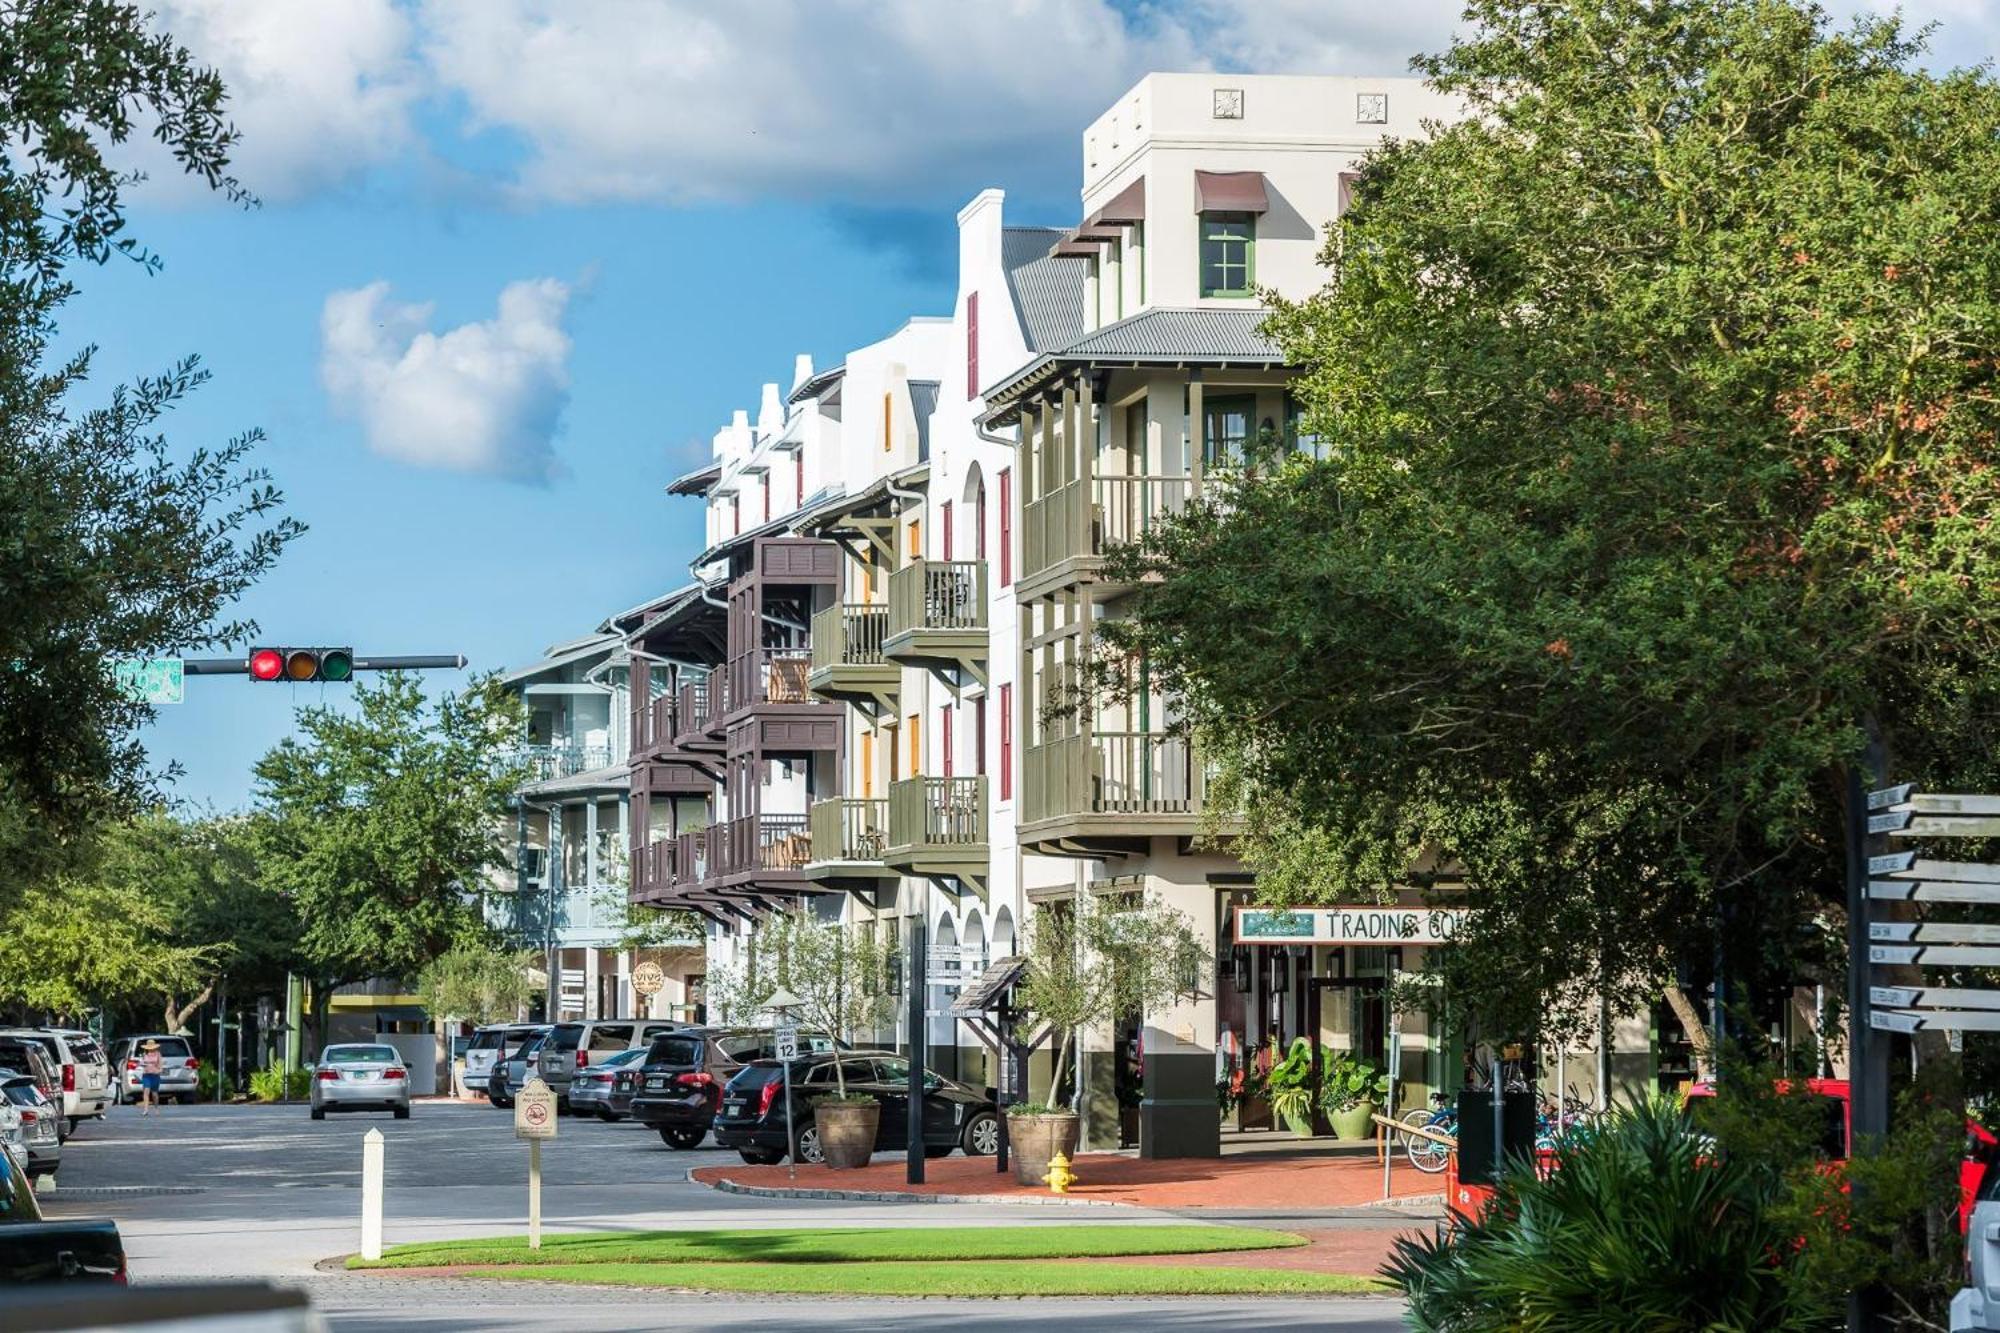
{"x":937,"y":827}
{"x":759,"y":852}
{"x":847,"y":660}
{"x":937,"y":616}
{"x":698,"y":713}
{"x":653,"y":873}
{"x":653,"y":727}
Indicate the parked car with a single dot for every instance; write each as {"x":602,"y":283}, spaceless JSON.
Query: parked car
{"x":40,"y":1133}
{"x":35,"y":1250}
{"x":32,"y":1059}
{"x":180,"y":1068}
{"x":487,"y":1047}
{"x":510,"y":1067}
{"x":360,"y":1077}
{"x":573,"y":1046}
{"x":84,"y":1074}
{"x":605,"y":1089}
{"x":753,"y":1122}
{"x":681,"y":1079}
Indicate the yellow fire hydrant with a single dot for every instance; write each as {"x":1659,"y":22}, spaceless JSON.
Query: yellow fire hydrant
{"x":1060,"y":1177}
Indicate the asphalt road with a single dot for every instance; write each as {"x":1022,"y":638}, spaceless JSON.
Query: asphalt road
{"x":211,"y":1193}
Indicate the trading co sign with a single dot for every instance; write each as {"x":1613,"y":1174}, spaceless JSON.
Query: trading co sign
{"x":1346,"y":925}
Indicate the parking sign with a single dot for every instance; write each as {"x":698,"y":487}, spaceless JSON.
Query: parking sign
{"x":788,"y":1043}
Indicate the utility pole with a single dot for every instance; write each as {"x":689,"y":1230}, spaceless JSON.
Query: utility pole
{"x":919,"y":1040}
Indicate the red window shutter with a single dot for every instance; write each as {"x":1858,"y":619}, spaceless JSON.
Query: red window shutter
{"x":1006,"y":526}
{"x":799,"y":478}
{"x":765,"y":482}
{"x":979,"y":736}
{"x":946,"y":507}
{"x":944,"y":737}
{"x":1006,"y":742}
{"x":972,"y":345}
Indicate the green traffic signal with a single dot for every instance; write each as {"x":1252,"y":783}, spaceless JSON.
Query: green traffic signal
{"x":336,"y":664}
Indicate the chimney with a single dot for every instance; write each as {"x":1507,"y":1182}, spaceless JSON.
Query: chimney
{"x":770,"y":412}
{"x":802,"y":369}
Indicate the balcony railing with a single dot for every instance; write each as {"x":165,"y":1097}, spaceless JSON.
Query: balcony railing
{"x":692,"y":860}
{"x":929,"y":814}
{"x":1110,"y":773}
{"x":769,"y":676}
{"x":700,"y":706}
{"x":547,"y":762}
{"x":754,"y":843}
{"x":1058,"y":526}
{"x":850,"y":828}
{"x":848,"y":634}
{"x":653,"y":724}
{"x":654,"y":868}
{"x":938,"y":595}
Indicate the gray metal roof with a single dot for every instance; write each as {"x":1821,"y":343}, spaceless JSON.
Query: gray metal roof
{"x":1170,"y":335}
{"x":813,"y":386}
{"x":923,"y":402}
{"x":696,"y":482}
{"x":1047,"y":290}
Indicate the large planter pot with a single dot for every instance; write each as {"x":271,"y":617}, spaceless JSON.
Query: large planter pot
{"x":1034,"y":1140}
{"x":1354,"y":1122}
{"x":847,"y":1132}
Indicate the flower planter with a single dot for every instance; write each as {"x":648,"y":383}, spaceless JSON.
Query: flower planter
{"x":847,"y":1132}
{"x":1353,"y":1122}
{"x":1034,"y":1140}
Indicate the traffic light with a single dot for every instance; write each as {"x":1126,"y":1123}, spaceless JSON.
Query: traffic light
{"x":301,"y":664}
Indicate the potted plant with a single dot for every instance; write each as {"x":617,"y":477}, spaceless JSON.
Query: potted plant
{"x":1089,"y":963}
{"x":1350,"y":1092}
{"x":831,"y":978}
{"x":1289,"y":1088}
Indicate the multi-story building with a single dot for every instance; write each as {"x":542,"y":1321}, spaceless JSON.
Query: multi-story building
{"x":877,"y":697}
{"x":570,"y":892}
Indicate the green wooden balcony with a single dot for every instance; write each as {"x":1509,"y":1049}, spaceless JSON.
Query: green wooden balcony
{"x":937,"y":616}
{"x":847,"y":660}
{"x":937,"y":826}
{"x":849,"y":836}
{"x":1111,"y":786}
{"x":1079,"y":521}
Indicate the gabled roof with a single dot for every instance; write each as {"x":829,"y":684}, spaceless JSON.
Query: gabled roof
{"x":814,"y":386}
{"x":696,"y":482}
{"x":1164,"y":336}
{"x":567,"y":654}
{"x":1047,"y":290}
{"x":648,"y":611}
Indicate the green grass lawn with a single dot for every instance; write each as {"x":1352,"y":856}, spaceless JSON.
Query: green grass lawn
{"x":973,"y":1277}
{"x":831,"y":1247}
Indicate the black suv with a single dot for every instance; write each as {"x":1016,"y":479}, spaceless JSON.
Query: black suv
{"x":681,"y":1078}
{"x":752,"y":1118}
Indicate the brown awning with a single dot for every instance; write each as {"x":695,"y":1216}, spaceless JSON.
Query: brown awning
{"x":1230,"y":192}
{"x":1126,"y":207}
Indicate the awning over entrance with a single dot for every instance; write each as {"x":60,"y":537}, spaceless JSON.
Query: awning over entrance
{"x":1230,"y":192}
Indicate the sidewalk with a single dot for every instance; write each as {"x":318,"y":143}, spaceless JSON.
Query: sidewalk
{"x":1278,"y":1181}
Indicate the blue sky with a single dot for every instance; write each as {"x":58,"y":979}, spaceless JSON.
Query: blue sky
{"x":618,"y":217}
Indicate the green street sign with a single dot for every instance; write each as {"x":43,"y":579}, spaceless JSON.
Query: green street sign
{"x":151,"y":680}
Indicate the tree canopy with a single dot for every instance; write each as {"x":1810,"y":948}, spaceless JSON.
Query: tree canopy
{"x":111,"y":543}
{"x":379,"y":824}
{"x":1654,"y":402}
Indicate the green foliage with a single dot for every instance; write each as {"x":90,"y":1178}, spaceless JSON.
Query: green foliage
{"x":111,"y":543}
{"x":1350,"y":1081}
{"x":74,"y":944}
{"x":476,"y":983}
{"x":838,"y":974}
{"x":205,"y":1079}
{"x":1100,"y":959}
{"x":1641,"y":1227}
{"x":1658,"y":403}
{"x":272,"y":1084}
{"x":379,"y":824}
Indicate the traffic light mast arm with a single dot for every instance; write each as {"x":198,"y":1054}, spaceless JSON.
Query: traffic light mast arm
{"x":240,"y":666}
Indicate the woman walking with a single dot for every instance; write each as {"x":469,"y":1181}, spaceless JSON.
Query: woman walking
{"x":149,"y":1078}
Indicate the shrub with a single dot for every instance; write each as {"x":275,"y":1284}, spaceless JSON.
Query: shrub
{"x":270,"y":1084}
{"x":1642,"y":1227}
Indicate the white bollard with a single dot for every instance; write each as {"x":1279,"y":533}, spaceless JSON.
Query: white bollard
{"x":371,"y":1194}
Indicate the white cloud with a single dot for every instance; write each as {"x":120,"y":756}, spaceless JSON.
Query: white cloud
{"x":322,"y":89}
{"x":485,"y":397}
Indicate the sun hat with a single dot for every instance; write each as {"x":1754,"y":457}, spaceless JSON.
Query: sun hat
{"x":149,"y":1045}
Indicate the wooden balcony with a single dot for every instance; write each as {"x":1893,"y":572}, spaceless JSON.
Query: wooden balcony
{"x":937,"y":827}
{"x":759,"y":852}
{"x":1109,"y":790}
{"x":698,"y":713}
{"x":937,"y":616}
{"x":653,"y":725}
{"x":849,"y":835}
{"x":847,"y":661}
{"x":1063,"y":527}
{"x":653,"y":873}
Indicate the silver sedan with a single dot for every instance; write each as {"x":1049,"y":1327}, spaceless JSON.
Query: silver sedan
{"x":360,"y":1077}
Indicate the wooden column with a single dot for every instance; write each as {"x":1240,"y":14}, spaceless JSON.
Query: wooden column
{"x":1197,"y":425}
{"x":1086,"y":447}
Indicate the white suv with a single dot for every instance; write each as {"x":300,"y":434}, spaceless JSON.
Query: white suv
{"x":83,"y":1070}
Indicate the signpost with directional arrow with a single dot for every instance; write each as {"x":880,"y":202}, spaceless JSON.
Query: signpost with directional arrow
{"x":1910,"y":877}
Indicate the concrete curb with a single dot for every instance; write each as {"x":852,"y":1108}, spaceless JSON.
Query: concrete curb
{"x":116,"y":1191}
{"x":898,"y":1196}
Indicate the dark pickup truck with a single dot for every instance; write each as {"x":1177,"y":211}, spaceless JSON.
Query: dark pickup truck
{"x":35,"y":1250}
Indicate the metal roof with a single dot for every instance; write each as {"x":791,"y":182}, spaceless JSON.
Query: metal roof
{"x":1171,"y":336}
{"x":598,"y":645}
{"x":696,"y":482}
{"x":813,"y":386}
{"x":1047,"y":290}
{"x":651,"y":608}
{"x":923,"y":402}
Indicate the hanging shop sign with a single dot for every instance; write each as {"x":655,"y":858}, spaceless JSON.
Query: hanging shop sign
{"x":1346,"y":925}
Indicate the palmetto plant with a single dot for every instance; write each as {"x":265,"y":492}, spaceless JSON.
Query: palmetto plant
{"x":1642,"y":1228}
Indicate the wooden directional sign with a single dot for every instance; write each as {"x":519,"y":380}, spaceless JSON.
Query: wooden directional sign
{"x":1907,"y":877}
{"x":1933,"y":932}
{"x":1934,"y":955}
{"x":1934,"y":815}
{"x":1935,"y":1020}
{"x":1888,"y":796}
{"x":1933,"y":997}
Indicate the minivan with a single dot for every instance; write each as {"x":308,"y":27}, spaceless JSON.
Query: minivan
{"x":572,"y":1046}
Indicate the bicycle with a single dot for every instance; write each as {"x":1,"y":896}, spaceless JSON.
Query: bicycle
{"x":1427,"y":1154}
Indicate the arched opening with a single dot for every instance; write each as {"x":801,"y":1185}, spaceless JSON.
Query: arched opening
{"x":940,"y":989}
{"x":1003,"y":934}
{"x":974,"y":497}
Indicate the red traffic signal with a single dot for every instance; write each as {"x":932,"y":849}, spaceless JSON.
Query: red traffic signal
{"x":301,"y":664}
